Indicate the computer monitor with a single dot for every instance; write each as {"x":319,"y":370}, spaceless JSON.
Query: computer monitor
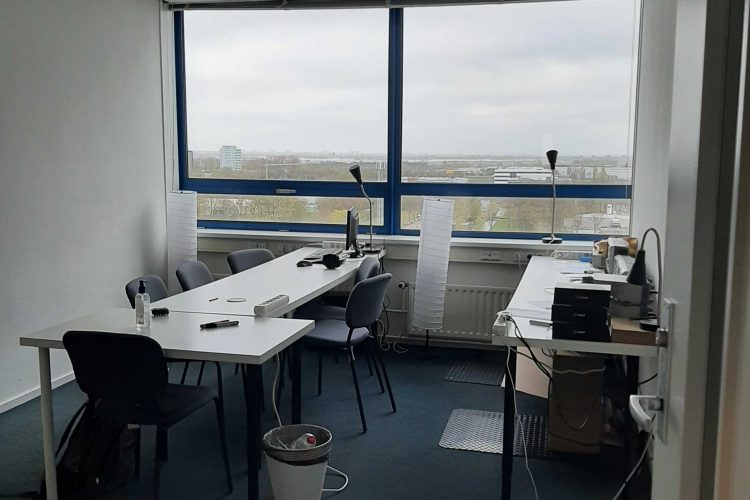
{"x":352,"y":227}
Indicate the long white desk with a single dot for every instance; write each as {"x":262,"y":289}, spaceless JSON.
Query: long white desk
{"x":280,"y":276}
{"x":252,"y":342}
{"x":533,"y":300}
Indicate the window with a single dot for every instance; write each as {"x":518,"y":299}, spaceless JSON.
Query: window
{"x":458,"y":102}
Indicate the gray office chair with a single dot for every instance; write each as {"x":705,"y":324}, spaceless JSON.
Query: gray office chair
{"x":241,"y":260}
{"x":359,"y":327}
{"x":155,"y":288}
{"x":320,"y":309}
{"x":193,"y":274}
{"x":125,"y":376}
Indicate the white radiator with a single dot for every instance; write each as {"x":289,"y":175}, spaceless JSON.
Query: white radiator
{"x":470,"y":312}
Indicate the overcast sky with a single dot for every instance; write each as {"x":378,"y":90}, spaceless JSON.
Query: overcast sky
{"x":493,"y":79}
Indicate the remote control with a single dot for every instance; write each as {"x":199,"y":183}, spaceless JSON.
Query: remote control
{"x":268,"y":306}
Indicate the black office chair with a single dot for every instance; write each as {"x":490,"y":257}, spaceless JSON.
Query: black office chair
{"x":125,"y":376}
{"x":359,"y":326}
{"x":155,"y":288}
{"x":242,"y":260}
{"x":193,"y":274}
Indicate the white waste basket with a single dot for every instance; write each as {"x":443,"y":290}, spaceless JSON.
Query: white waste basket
{"x":297,"y":474}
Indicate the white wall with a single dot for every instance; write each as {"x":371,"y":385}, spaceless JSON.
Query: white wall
{"x":654,"y":115}
{"x":81,"y":169}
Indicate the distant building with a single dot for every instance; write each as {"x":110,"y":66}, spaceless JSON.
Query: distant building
{"x":190,"y":161}
{"x":230,"y":157}
{"x":513,"y":175}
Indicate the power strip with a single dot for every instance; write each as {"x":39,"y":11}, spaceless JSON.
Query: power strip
{"x":267,"y":307}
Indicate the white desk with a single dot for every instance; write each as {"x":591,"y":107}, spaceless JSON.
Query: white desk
{"x":252,"y":342}
{"x":276,"y":277}
{"x":533,"y":300}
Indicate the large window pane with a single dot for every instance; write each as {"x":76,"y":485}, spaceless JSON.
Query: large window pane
{"x":286,"y":209}
{"x":286,"y":94}
{"x":498,"y":85}
{"x":528,"y":215}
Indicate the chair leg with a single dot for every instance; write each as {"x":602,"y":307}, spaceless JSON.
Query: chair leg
{"x":223,"y":434}
{"x":138,"y":453}
{"x":200,"y":373}
{"x":369,"y":365}
{"x":219,"y":380}
{"x":157,"y":463}
{"x":385,"y":375}
{"x":236,"y":368}
{"x":372,"y":346}
{"x":161,"y":443}
{"x":320,"y":373}
{"x":185,"y":372}
{"x":356,"y":388}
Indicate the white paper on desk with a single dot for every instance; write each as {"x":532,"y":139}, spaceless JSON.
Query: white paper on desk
{"x":533,"y":311}
{"x":575,"y":268}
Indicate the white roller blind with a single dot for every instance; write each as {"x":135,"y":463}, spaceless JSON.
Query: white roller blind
{"x":182,"y":232}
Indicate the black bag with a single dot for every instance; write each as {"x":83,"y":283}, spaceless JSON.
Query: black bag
{"x":96,"y":455}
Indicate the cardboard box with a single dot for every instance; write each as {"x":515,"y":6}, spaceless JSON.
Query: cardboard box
{"x":576,"y":401}
{"x":628,"y":331}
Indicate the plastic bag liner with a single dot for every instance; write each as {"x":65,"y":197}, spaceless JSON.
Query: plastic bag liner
{"x":276,"y":444}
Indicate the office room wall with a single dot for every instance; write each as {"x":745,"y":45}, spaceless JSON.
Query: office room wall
{"x":81,"y":170}
{"x":654,"y":115}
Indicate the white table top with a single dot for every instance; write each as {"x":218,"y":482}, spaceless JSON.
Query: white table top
{"x":280,"y":276}
{"x":533,"y":300}
{"x":253,"y":341}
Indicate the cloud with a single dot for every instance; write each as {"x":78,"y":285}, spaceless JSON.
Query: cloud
{"x":492,"y":79}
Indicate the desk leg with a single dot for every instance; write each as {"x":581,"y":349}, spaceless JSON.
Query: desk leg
{"x":252,"y":405}
{"x":509,"y":425}
{"x":48,"y":425}
{"x":630,"y":441}
{"x":296,"y":383}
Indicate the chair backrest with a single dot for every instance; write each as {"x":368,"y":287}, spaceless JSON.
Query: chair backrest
{"x":367,"y":269}
{"x":193,"y":274}
{"x":155,"y":288}
{"x":366,"y":301}
{"x":242,"y":260}
{"x":117,"y":366}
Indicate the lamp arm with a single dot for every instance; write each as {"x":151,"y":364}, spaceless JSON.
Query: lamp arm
{"x":554,"y":201}
{"x":369,"y":200}
{"x":658,"y":258}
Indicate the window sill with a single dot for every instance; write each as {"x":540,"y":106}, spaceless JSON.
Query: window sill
{"x":388,"y":240}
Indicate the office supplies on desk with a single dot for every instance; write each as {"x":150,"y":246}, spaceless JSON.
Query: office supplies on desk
{"x":317,"y":255}
{"x":581,"y":312}
{"x":304,"y":263}
{"x":236,"y":299}
{"x":219,"y":324}
{"x":213,"y":299}
{"x":268,"y":306}
{"x":160,"y":311}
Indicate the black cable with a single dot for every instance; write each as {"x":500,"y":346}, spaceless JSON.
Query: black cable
{"x":552,"y":384}
{"x":652,"y":377}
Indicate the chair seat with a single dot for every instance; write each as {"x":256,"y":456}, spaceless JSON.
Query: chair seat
{"x":333,"y":333}
{"x":318,"y":311}
{"x":177,"y":402}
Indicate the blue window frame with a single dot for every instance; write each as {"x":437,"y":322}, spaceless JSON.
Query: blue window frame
{"x":392,"y":191}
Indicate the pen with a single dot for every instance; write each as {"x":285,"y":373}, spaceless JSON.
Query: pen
{"x":215,"y":298}
{"x":219,"y":324}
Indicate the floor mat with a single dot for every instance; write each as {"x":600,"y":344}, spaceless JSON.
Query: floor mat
{"x":477,"y":371}
{"x":477,"y":430}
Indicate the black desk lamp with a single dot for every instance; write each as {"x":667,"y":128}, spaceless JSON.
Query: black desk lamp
{"x":357,"y":174}
{"x":552,"y":159}
{"x":637,"y":276}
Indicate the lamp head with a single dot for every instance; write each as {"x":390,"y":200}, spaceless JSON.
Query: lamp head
{"x":637,"y":274}
{"x":552,"y":158}
{"x":354,"y":170}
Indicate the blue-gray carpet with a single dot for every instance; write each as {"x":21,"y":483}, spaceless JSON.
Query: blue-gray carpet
{"x":398,"y":458}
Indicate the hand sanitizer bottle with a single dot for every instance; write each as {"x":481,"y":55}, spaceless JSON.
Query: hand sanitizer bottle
{"x":142,"y":308}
